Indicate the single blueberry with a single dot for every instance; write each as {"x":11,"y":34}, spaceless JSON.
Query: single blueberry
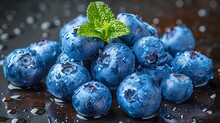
{"x":92,"y":99}
{"x":176,"y":87}
{"x":24,"y":67}
{"x":65,"y":77}
{"x":48,"y":50}
{"x":157,"y":73}
{"x":80,"y":47}
{"x":114,"y":63}
{"x":139,"y":96}
{"x":138,"y":28}
{"x":194,"y":65}
{"x":178,"y":39}
{"x":149,"y":51}
{"x":78,"y":21}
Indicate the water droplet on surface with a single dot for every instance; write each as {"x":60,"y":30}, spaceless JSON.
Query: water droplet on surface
{"x":1,"y":62}
{"x":58,"y":100}
{"x":179,"y":3}
{"x":45,"y":25}
{"x":10,"y":17}
{"x":39,"y":15}
{"x":56,"y":22}
{"x":202,"y":28}
{"x":22,"y":25}
{"x":204,"y":110}
{"x":193,"y":120}
{"x":213,"y":96}
{"x":11,"y":111}
{"x":122,"y":9}
{"x":7,"y":99}
{"x":80,"y":117}
{"x":18,"y":120}
{"x":38,"y":111}
{"x":12,"y":87}
{"x":202,"y":13}
{"x":152,"y":116}
{"x":209,"y":112}
{"x":45,"y":35}
{"x":42,"y":7}
{"x":1,"y":47}
{"x":96,"y":117}
{"x":58,"y":76}
{"x":30,"y":20}
{"x":17,"y":31}
{"x":16,"y":97}
{"x":81,"y":7}
{"x":156,"y":21}
{"x":67,"y":13}
{"x":4,"y":26}
{"x":179,"y":22}
{"x":4,"y":36}
{"x":213,"y":4}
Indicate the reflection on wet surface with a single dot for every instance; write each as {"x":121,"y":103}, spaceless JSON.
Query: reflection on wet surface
{"x":26,"y":22}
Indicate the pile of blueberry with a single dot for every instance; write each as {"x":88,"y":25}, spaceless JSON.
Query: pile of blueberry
{"x":142,"y":67}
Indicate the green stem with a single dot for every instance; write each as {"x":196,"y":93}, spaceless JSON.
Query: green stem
{"x":107,"y":41}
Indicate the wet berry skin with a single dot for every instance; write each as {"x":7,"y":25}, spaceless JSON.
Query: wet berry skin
{"x":65,"y":77}
{"x":138,"y":28}
{"x":194,"y":65}
{"x":114,"y":63}
{"x":92,"y":99}
{"x":78,"y":21}
{"x":157,"y":73}
{"x":80,"y":47}
{"x":176,"y":87}
{"x":149,"y":51}
{"x":24,"y":67}
{"x":139,"y":96}
{"x":48,"y":50}
{"x":178,"y":39}
{"x":170,"y":59}
{"x":63,"y":57}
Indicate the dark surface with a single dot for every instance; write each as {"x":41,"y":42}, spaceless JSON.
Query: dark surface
{"x":203,"y":106}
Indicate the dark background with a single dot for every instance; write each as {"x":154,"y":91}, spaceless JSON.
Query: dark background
{"x":21,"y":23}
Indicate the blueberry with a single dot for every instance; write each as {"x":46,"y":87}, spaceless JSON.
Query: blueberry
{"x":113,"y":65}
{"x":139,"y":96}
{"x":92,"y":99}
{"x":194,"y":65}
{"x":137,"y":27}
{"x":176,"y":87}
{"x":80,"y":47}
{"x":63,"y":78}
{"x":24,"y":67}
{"x":149,"y":51}
{"x":157,"y":73}
{"x":78,"y":21}
{"x":64,"y":58}
{"x":48,"y":50}
{"x":178,"y":39}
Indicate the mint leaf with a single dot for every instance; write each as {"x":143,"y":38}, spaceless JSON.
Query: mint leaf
{"x":88,"y":29}
{"x":117,"y":28}
{"x":102,"y":23}
{"x":99,"y":11}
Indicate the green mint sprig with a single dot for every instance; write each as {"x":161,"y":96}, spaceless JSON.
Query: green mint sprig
{"x":102,"y":23}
